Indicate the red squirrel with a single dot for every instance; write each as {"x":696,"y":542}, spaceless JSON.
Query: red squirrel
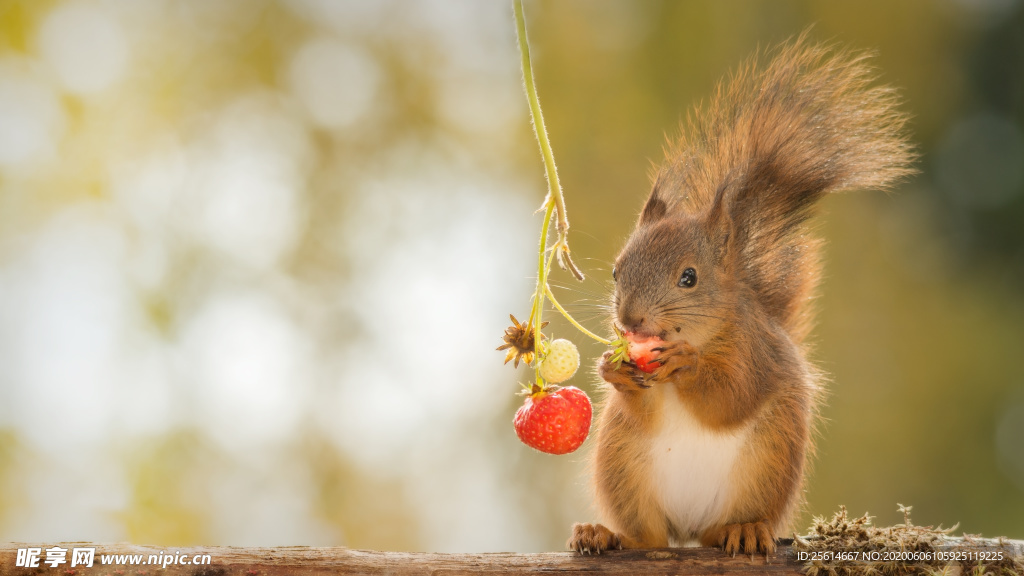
{"x":712,"y":446}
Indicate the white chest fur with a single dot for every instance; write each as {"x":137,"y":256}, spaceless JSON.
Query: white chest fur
{"x":691,"y":467}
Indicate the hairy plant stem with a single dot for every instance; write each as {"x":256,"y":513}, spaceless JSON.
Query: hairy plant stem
{"x":554,"y":205}
{"x":540,"y":130}
{"x":537,"y":314}
{"x":571,"y":320}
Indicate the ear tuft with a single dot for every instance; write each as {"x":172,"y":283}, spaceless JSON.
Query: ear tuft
{"x":718,"y":221}
{"x":656,"y":208}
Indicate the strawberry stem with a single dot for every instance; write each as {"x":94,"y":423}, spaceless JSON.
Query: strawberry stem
{"x":537,"y":314}
{"x":553,"y":206}
{"x":572,"y":320}
{"x":554,"y":196}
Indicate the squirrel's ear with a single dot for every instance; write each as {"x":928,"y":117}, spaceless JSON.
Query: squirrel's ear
{"x":719,"y":221}
{"x":656,"y":208}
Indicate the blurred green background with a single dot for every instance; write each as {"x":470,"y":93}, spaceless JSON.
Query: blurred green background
{"x":255,"y":258}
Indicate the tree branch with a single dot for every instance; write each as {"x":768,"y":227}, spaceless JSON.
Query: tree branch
{"x":306,"y":561}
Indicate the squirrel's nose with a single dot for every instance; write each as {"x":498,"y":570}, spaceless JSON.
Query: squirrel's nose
{"x":630,"y":319}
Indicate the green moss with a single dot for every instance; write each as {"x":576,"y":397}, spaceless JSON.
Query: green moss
{"x":854,"y":547}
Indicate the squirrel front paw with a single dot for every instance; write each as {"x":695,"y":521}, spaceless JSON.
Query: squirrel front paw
{"x":674,"y":358}
{"x":591,"y":538}
{"x":623,"y":376}
{"x":752,"y":536}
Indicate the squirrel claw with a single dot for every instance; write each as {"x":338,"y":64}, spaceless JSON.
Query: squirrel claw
{"x":674,"y":357}
{"x":750,"y":537}
{"x":593,"y":538}
{"x":624,"y":377}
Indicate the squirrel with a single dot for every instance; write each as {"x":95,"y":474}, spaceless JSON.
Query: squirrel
{"x":713,"y":445}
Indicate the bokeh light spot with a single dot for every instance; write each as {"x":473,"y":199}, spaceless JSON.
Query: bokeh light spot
{"x":335,"y":82}
{"x":85,"y":46}
{"x":31,"y":119}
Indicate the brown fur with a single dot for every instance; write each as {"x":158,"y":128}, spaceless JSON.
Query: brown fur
{"x":732,"y":202}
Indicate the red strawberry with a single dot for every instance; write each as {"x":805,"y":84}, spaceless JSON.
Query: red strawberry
{"x":640,"y":351}
{"x":556,"y":422}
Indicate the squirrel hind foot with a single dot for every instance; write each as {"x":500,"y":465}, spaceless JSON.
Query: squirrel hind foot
{"x":593,"y":538}
{"x":751,"y":537}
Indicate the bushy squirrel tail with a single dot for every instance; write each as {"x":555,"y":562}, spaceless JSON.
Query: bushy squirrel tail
{"x":773,"y":140}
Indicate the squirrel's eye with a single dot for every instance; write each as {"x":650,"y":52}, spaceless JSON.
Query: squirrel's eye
{"x":688,"y":279}
{"x":613,"y":273}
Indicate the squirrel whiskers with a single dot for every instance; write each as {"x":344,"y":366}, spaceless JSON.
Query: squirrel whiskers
{"x":712,"y":446}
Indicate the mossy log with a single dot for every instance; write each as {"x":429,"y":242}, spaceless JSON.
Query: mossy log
{"x":296,"y":560}
{"x":307,"y":561}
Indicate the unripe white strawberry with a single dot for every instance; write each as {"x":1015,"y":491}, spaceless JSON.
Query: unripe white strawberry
{"x":561,"y":361}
